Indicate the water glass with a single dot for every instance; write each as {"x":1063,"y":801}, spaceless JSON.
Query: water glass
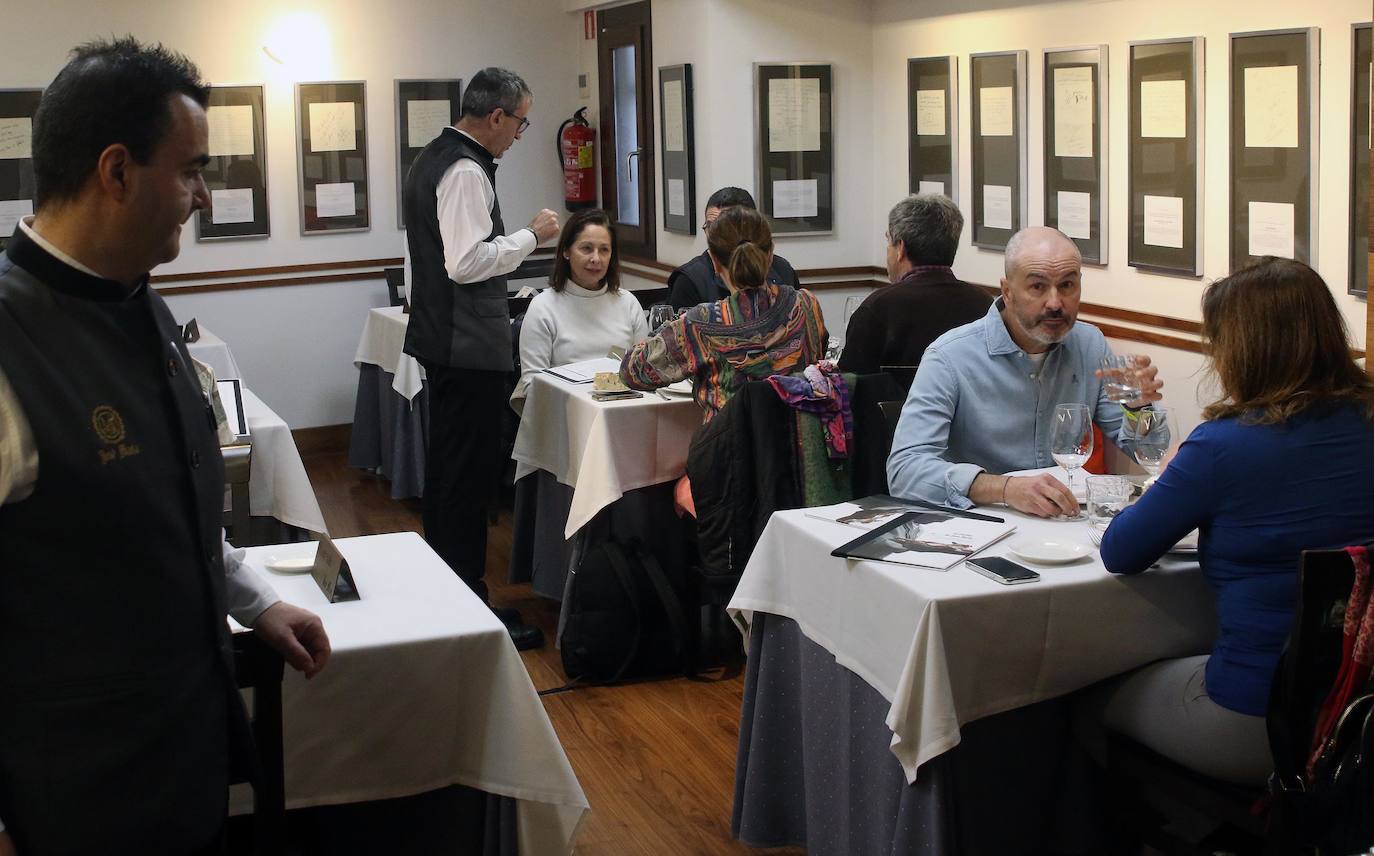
{"x":660,"y":314}
{"x":1108,"y":496}
{"x":1120,"y":380}
{"x":1154,"y":432}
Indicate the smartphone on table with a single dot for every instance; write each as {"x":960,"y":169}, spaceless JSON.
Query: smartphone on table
{"x":1004,"y":571}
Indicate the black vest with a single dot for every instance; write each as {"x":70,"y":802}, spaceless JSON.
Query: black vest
{"x":461,"y":325}
{"x":696,"y":281}
{"x":114,"y":654}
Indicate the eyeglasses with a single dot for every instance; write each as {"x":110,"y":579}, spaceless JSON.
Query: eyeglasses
{"x":524,"y":123}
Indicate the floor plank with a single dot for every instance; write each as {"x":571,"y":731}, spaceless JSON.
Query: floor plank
{"x":656,"y":759}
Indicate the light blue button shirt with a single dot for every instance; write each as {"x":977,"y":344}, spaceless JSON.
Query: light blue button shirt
{"x":979,"y":403}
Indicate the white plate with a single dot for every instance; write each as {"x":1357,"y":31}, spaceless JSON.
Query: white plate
{"x":291,"y":564}
{"x":1049,"y":552}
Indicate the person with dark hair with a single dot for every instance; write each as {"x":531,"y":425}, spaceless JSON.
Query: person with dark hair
{"x":893,"y":327}
{"x":121,"y":716}
{"x":763,"y":328}
{"x":584,"y":312}
{"x":697,"y":281}
{"x":459,"y":330}
{"x":1282,"y":463}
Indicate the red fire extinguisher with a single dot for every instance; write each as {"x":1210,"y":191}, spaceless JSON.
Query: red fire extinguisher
{"x":576,"y":149}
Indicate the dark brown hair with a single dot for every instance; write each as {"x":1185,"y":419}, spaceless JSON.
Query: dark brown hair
{"x":741,"y":242}
{"x":562,"y":268}
{"x":1277,"y":344}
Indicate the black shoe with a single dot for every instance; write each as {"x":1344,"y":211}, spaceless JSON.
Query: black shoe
{"x":525,"y":636}
{"x":507,"y":615}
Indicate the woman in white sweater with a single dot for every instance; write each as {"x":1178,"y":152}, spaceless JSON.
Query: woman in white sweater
{"x":584,"y":313}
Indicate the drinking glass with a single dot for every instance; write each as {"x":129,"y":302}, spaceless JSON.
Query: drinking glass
{"x":1154,"y":432}
{"x":834,"y":347}
{"x":850,"y":304}
{"x":1120,"y":380}
{"x":1071,"y":442}
{"x":1107,"y":497}
{"x":660,"y":314}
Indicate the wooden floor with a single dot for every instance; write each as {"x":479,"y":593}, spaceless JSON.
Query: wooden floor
{"x":656,"y":759}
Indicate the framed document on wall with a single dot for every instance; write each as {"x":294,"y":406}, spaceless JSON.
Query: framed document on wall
{"x":678,"y":149}
{"x":1360,"y":138}
{"x":423,"y":109}
{"x":1274,"y":145}
{"x":331,"y":134}
{"x":794,"y":168}
{"x":932,"y":119}
{"x":1076,"y":147}
{"x":1165,"y":145}
{"x":998,"y":100}
{"x":236,"y":175}
{"x":17,"y":107}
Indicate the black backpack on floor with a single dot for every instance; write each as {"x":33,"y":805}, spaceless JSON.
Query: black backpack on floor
{"x":622,"y":618}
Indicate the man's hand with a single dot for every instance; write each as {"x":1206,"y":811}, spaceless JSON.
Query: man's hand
{"x":6,"y":845}
{"x":544,"y":225}
{"x":297,"y":634}
{"x":1042,"y":495}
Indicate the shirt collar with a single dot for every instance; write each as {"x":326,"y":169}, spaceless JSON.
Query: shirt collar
{"x":924,"y":271}
{"x":26,"y":223}
{"x":32,"y":252}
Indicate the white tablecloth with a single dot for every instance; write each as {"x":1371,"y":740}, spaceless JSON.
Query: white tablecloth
{"x":212,"y":350}
{"x":423,"y":690}
{"x":601,"y":449}
{"x":949,"y":647}
{"x":384,"y":334}
{"x":277,"y":482}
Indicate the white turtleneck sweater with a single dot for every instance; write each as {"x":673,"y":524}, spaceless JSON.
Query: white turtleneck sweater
{"x":575,"y":324}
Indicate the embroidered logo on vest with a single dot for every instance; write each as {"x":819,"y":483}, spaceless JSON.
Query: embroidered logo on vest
{"x":109,"y":427}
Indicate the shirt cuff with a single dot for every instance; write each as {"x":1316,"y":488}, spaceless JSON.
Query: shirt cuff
{"x":958,"y":482}
{"x":525,"y":239}
{"x":249,"y":595}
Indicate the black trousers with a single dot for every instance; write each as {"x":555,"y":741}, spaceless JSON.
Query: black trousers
{"x":462,"y":465}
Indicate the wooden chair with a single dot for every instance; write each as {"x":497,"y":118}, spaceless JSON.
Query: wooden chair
{"x":259,"y":667}
{"x":395,"y":285}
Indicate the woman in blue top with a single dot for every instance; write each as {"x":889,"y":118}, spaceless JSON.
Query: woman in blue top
{"x":1284,"y":462}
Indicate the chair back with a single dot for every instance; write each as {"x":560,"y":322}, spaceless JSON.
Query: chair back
{"x":260,"y":667}
{"x":396,"y":285}
{"x":649,"y":296}
{"x":237,"y":467}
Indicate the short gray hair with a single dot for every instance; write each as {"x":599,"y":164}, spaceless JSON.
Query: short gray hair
{"x":493,"y":88}
{"x":929,"y":225}
{"x":1017,"y":246}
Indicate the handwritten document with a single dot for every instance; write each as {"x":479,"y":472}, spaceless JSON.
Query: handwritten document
{"x":935,"y":187}
{"x":995,"y":111}
{"x":794,"y":115}
{"x":795,"y":198}
{"x":677,"y":197}
{"x":16,"y":140}
{"x":332,"y":128}
{"x":672,"y":116}
{"x":231,"y":130}
{"x":335,"y":200}
{"x":425,"y":120}
{"x":1271,"y":229}
{"x":997,"y":206}
{"x":1073,"y":112}
{"x":1075,"y":214}
{"x":1271,"y":107}
{"x":1164,"y":221}
{"x":231,"y":206}
{"x":1164,"y":108}
{"x":10,"y":212}
{"x":930,"y":113}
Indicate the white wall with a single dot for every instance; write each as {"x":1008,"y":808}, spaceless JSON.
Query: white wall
{"x":938,"y":27}
{"x":295,"y":344}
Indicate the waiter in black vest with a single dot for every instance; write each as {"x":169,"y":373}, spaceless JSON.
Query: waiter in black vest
{"x":459,"y":324}
{"x":120,"y":715}
{"x":697,"y":281}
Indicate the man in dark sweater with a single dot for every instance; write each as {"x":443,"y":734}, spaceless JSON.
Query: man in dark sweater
{"x":696,"y":281}
{"x":893,"y":327}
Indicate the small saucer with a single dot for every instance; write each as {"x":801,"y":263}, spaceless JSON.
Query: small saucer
{"x":1049,"y":552}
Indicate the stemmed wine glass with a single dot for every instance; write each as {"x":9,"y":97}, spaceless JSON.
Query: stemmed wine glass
{"x":660,"y":314}
{"x":1071,"y":442}
{"x":1153,"y":430}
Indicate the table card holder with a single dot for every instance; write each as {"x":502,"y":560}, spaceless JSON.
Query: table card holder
{"x":1360,"y":141}
{"x":331,"y":151}
{"x":236,"y":175}
{"x":1075,"y":151}
{"x":190,"y":331}
{"x":1274,"y":132}
{"x":331,"y":573}
{"x":17,"y":182}
{"x":932,"y":133}
{"x":999,"y":171}
{"x":229,"y":394}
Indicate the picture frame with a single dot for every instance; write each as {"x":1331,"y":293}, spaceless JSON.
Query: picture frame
{"x":236,"y":175}
{"x":18,"y":185}
{"x":998,"y":169}
{"x":420,"y":117}
{"x":794,"y":161}
{"x":1361,"y":55}
{"x":932,"y":87}
{"x":331,"y":157}
{"x":677,"y":149}
{"x":1075,"y":147}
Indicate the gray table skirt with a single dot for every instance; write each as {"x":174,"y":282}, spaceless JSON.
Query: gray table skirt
{"x":389,"y":432}
{"x":814,"y":769}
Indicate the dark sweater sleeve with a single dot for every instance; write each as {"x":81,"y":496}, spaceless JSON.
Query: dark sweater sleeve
{"x":863,"y":343}
{"x":1182,"y":499}
{"x":682,"y":291}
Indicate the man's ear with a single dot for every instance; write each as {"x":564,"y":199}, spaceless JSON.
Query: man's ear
{"x":1006,"y":288}
{"x":112,"y":170}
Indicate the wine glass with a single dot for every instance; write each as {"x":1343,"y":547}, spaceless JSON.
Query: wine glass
{"x":1154,"y":432}
{"x":1071,"y":441}
{"x":660,"y":314}
{"x":1120,"y":380}
{"x":850,"y":304}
